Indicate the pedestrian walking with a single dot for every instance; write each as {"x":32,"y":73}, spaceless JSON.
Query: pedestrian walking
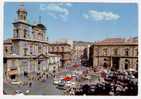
{"x":30,"y":84}
{"x":46,"y":75}
{"x":72,"y":91}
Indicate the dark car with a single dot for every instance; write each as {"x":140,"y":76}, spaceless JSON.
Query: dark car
{"x":61,"y":85}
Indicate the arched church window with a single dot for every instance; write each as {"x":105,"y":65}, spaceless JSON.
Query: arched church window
{"x":25,"y":33}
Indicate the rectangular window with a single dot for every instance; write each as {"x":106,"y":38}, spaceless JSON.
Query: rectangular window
{"x":17,"y":33}
{"x":115,"y":51}
{"x":39,"y":48}
{"x":14,"y":49}
{"x":136,"y":52}
{"x":25,"y":65}
{"x":6,"y":50}
{"x":25,"y":51}
{"x":31,"y":49}
{"x":25,"y":33}
{"x":62,"y":49}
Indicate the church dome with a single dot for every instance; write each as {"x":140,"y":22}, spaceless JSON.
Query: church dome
{"x":41,"y":26}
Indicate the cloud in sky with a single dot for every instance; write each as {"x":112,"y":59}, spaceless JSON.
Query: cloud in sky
{"x":56,"y":10}
{"x":68,"y":4}
{"x":100,"y":16}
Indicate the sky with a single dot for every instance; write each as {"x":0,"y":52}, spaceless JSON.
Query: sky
{"x":77,"y":21}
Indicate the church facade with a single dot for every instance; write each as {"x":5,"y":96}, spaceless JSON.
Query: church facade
{"x":27,"y":50}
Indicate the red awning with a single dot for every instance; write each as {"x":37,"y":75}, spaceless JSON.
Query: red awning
{"x":67,"y":78}
{"x":76,"y":65}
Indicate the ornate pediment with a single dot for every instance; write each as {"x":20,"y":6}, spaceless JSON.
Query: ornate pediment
{"x":42,"y":56}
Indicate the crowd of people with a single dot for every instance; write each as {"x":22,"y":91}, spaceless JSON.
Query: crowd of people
{"x":123,"y":83}
{"x":112,"y":83}
{"x":28,"y":79}
{"x":115,"y":83}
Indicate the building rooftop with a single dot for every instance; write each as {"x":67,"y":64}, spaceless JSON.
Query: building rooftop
{"x":118,"y":41}
{"x":82,"y":43}
{"x":8,"y":41}
{"x":59,"y":43}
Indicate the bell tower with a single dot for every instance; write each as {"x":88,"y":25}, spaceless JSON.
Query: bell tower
{"x":21,"y":26}
{"x":22,"y":13}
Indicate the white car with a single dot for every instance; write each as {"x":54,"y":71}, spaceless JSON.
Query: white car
{"x":70,"y":83}
{"x":73,"y":75}
{"x":16,"y":82}
{"x":56,"y":81}
{"x":19,"y":92}
{"x":88,"y":77}
{"x":27,"y":91}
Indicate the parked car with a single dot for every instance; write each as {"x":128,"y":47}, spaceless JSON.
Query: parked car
{"x":56,"y":81}
{"x":16,"y":82}
{"x":69,"y":83}
{"x":19,"y":92}
{"x":27,"y":92}
{"x":61,"y":85}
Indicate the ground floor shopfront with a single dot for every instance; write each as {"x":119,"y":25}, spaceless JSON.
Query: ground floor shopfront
{"x":117,"y":63}
{"x":13,"y":67}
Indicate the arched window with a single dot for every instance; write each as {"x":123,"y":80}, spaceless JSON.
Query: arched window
{"x":126,"y":52}
{"x":25,"y":33}
{"x":96,"y":51}
{"x":105,"y":51}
